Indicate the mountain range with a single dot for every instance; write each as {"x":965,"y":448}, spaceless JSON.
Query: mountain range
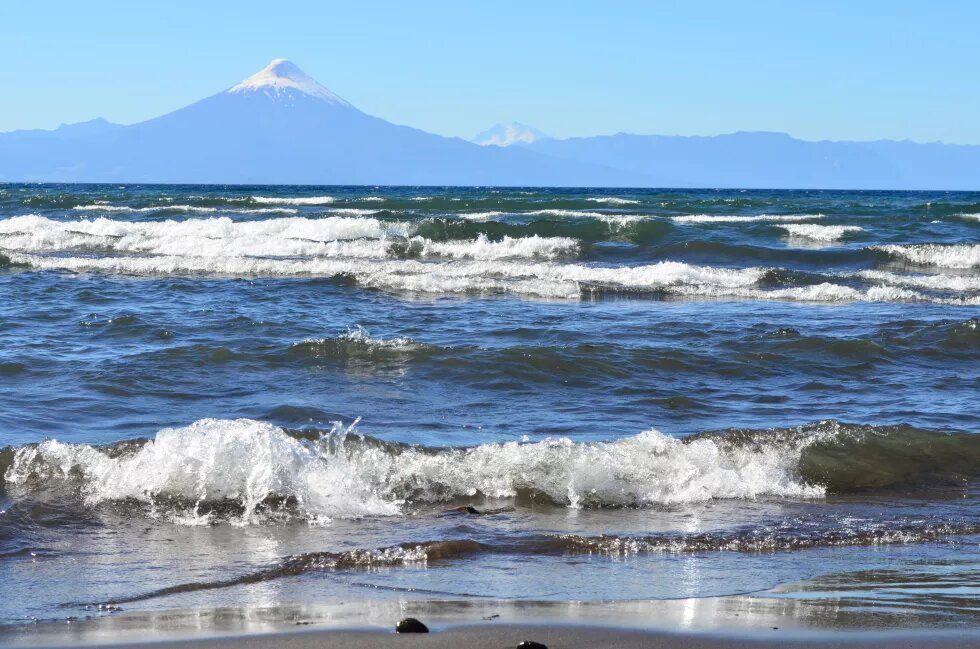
{"x":280,"y":126}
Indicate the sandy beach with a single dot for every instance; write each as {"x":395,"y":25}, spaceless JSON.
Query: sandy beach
{"x":494,"y":636}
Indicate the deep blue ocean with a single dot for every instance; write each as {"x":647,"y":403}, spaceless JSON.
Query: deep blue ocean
{"x":249,"y":397}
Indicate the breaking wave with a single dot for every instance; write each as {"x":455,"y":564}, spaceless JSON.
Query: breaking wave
{"x":246,"y":471}
{"x":38,"y":233}
{"x":964,"y":255}
{"x":199,"y":209}
{"x":305,"y":200}
{"x":458,"y":256}
{"x":711,"y":218}
{"x":820,"y":232}
{"x":565,"y":281}
{"x":533,"y":246}
{"x":611,"y":200}
{"x":935,"y":282}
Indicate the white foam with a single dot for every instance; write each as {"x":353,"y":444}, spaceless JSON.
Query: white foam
{"x":621,"y":221}
{"x":507,"y":248}
{"x":973,"y":217}
{"x":351,"y":211}
{"x":371,"y":199}
{"x":296,"y":237}
{"x":824,"y":292}
{"x":385,"y":255}
{"x":935,"y":282}
{"x":302,"y":200}
{"x":964,"y":255}
{"x":611,"y":200}
{"x":721,"y":218}
{"x":340,"y":477}
{"x":575,"y":214}
{"x":99,"y":207}
{"x":460,"y":276}
{"x":213,"y":237}
{"x":820,"y":232}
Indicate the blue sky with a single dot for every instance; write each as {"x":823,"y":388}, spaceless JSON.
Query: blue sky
{"x":817,"y":70}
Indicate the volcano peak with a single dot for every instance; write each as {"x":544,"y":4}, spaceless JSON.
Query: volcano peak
{"x":282,"y":76}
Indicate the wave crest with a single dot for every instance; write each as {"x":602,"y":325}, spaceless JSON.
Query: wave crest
{"x":251,"y":464}
{"x":957,"y":255}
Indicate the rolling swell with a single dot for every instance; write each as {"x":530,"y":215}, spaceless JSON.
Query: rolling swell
{"x":251,"y":472}
{"x":846,"y":458}
{"x":755,"y":352}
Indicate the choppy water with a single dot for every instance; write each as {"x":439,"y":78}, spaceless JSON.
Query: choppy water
{"x":240,"y":396}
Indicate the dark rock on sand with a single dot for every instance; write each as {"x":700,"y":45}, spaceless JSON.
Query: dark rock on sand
{"x":411,"y":625}
{"x":531,"y":644}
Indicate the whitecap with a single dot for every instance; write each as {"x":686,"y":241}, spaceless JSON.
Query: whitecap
{"x":339,"y":476}
{"x":935,"y":282}
{"x":303,"y":200}
{"x":611,"y":200}
{"x":934,"y":254}
{"x":820,"y":232}
{"x":723,"y":218}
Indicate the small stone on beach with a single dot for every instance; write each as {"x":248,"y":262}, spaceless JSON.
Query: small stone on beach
{"x":411,"y":625}
{"x":531,"y":644}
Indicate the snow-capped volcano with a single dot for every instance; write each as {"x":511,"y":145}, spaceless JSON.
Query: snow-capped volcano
{"x":508,"y":134}
{"x":278,"y":126}
{"x":282,"y":76}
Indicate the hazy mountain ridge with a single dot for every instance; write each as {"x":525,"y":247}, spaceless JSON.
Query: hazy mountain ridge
{"x":280,"y":126}
{"x":777,"y":160}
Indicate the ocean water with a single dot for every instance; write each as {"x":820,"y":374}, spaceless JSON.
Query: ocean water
{"x":265,"y":397}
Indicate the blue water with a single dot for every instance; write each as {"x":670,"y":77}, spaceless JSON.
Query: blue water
{"x":766,"y":382}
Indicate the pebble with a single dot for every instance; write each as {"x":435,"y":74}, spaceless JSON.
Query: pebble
{"x":411,"y":625}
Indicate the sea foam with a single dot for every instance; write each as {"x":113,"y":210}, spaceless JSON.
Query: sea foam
{"x":758,"y":218}
{"x":820,"y":232}
{"x":964,"y":255}
{"x":303,"y":200}
{"x":612,"y":200}
{"x":248,"y":462}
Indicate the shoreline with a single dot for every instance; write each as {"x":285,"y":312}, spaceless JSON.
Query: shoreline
{"x":489,"y":635}
{"x":733,"y":621}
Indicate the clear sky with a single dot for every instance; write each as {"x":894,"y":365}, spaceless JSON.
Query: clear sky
{"x":853,"y":69}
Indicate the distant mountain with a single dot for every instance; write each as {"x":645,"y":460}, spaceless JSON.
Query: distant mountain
{"x":508,"y":134}
{"x":278,"y":126}
{"x":776,"y":160}
{"x":281,"y":126}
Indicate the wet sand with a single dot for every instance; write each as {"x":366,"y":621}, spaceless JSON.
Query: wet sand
{"x":497,"y":636}
{"x":741,"y":621}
